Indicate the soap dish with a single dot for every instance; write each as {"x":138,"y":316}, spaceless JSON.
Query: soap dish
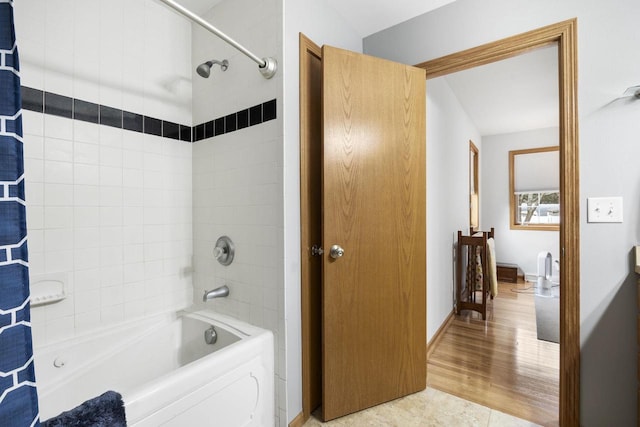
{"x":48,"y":288}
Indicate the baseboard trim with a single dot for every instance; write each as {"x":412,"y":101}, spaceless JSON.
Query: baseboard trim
{"x":431,"y":345}
{"x":298,"y":421}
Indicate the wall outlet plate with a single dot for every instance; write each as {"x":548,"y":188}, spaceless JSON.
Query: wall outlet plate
{"x":604,"y":209}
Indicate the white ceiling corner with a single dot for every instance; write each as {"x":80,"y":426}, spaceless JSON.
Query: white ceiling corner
{"x":370,"y":16}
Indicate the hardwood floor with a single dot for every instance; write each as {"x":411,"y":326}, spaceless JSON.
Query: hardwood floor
{"x":500,"y":363}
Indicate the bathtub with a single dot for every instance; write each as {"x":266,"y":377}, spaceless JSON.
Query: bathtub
{"x":165,"y":371}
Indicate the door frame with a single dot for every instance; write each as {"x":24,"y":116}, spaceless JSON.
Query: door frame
{"x":564,"y":35}
{"x":310,"y":210}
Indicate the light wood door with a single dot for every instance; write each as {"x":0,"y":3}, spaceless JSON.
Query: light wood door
{"x":374,"y":190}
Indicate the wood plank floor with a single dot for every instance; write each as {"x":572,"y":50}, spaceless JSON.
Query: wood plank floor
{"x":500,"y":363}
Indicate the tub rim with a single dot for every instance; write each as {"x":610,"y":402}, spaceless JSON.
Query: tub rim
{"x":246,"y":332}
{"x":142,"y":327}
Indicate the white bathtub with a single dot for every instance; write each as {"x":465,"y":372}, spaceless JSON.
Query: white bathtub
{"x":166,"y":373}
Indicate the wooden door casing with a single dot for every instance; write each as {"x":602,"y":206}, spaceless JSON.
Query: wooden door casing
{"x":565,"y":35}
{"x":311,"y":222}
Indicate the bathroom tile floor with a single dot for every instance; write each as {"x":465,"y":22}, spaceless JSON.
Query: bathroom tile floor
{"x":426,"y":408}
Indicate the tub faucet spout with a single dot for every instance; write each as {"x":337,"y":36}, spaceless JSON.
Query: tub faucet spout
{"x":222,"y":291}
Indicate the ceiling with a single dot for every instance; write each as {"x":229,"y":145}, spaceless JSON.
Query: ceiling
{"x":200,"y":7}
{"x":364,"y":16}
{"x":370,"y":16}
{"x":508,"y":96}
{"x":512,"y":95}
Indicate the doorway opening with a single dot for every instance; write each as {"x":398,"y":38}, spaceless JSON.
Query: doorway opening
{"x":564,"y":36}
{"x":510,"y":361}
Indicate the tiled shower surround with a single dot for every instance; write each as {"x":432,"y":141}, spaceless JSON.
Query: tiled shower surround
{"x":135,"y":165}
{"x":237,"y":177}
{"x":109,"y":209}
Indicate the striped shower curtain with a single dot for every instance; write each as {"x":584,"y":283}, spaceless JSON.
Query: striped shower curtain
{"x":18,"y":398}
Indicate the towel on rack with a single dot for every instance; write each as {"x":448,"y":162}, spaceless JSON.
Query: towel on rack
{"x":106,"y":410}
{"x":491,"y":266}
{"x":478,"y":273}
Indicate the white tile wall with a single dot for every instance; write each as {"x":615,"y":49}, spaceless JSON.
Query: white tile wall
{"x":128,"y":54}
{"x":237,"y":181}
{"x":109,"y":208}
{"x":89,"y":222}
{"x":237,"y":192}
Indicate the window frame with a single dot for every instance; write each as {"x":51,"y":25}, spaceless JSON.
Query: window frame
{"x":513,"y":196}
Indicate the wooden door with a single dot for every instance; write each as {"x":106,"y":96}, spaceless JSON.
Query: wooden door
{"x":374,"y":190}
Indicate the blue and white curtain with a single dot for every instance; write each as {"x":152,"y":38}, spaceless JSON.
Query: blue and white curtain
{"x":18,"y":397}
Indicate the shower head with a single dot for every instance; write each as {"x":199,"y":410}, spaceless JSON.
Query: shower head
{"x":204,"y":70}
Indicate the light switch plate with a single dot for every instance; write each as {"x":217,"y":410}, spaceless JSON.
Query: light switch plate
{"x":604,"y":209}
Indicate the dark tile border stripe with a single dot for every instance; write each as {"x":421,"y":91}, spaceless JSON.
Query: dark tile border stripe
{"x":110,"y":117}
{"x":78,"y":109}
{"x":58,"y":105}
{"x":152,"y":126}
{"x":132,"y":121}
{"x":32,"y":99}
{"x":86,"y":111}
{"x":239,"y":120}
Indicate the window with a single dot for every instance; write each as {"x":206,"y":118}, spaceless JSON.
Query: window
{"x":538,"y":208}
{"x":534,"y":189}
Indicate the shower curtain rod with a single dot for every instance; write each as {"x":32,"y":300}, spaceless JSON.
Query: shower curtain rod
{"x":267,"y":66}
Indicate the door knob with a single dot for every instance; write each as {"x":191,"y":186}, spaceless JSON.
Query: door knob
{"x":336,"y":252}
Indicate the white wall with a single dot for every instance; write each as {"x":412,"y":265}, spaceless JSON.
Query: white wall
{"x":607,"y":39}
{"x":519,"y":247}
{"x":109,"y":208}
{"x":609,"y":147}
{"x":449,"y":130}
{"x":320,"y":23}
{"x":237,"y":177}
